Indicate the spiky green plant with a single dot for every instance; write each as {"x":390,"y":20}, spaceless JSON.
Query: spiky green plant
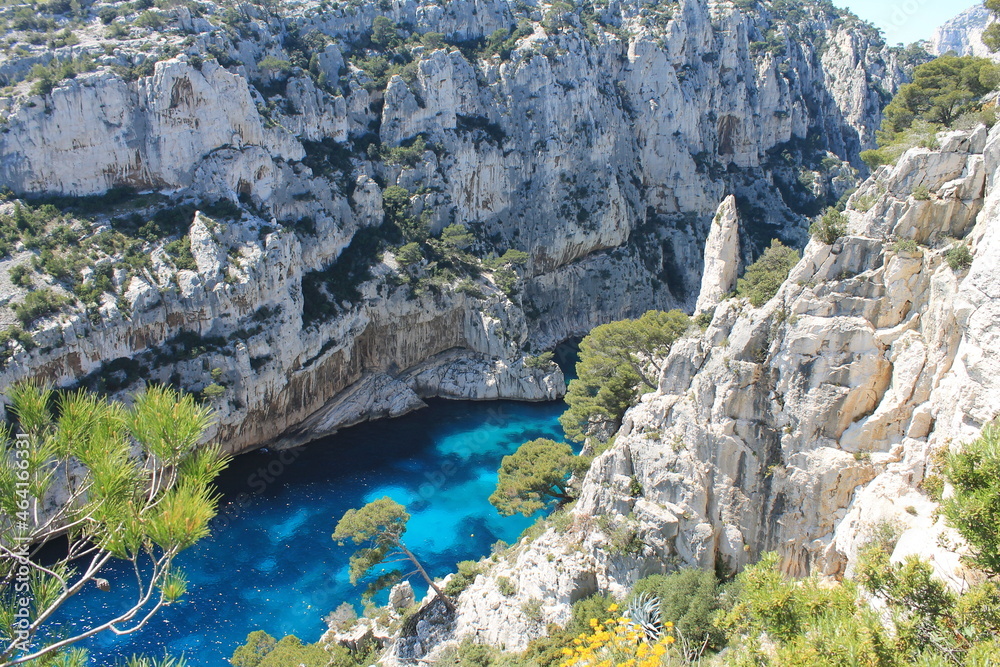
{"x":644,"y":610}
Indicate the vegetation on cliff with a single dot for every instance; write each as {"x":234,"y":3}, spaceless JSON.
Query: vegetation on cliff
{"x":945,"y":92}
{"x":378,"y":528}
{"x":974,"y":507}
{"x":763,"y":278}
{"x":534,"y":476}
{"x":618,"y":361}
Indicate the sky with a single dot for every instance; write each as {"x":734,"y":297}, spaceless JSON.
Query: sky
{"x":907,"y":21}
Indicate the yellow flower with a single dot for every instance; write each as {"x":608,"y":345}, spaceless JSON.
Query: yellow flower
{"x":593,"y":622}
{"x":670,"y":624}
{"x":659,"y":649}
{"x":670,"y":640}
{"x":613,"y":607}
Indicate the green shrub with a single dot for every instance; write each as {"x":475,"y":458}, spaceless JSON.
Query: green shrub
{"x":39,"y":304}
{"x":409,"y":254}
{"x":763,"y":278}
{"x":409,"y":154}
{"x":533,"y":477}
{"x":829,"y":227}
{"x":456,"y":237}
{"x":864,"y":203}
{"x":384,"y":33}
{"x":941,"y":91}
{"x":876,"y":157}
{"x":689,"y":599}
{"x":921,"y":193}
{"x":595,"y":606}
{"x":258,"y":645}
{"x":10,"y":336}
{"x":107,"y":14}
{"x":622,"y":534}
{"x":509,"y":258}
{"x":543,"y":360}
{"x":432,"y":40}
{"x":933,"y":486}
{"x":396,"y":205}
{"x":904,"y":245}
{"x":978,"y":612}
{"x":181,"y":255}
{"x":532,"y":609}
{"x":98,"y":284}
{"x":20,"y":275}
{"x":765,"y":603}
{"x":470,"y":288}
{"x":47,"y":76}
{"x":974,"y":509}
{"x":958,"y":257}
{"x":506,"y":586}
{"x":507,"y":280}
{"x":149,"y":19}
{"x":466,"y":573}
{"x":213,"y":391}
{"x":272,"y":64}
{"x":909,"y":587}
{"x":291,"y":651}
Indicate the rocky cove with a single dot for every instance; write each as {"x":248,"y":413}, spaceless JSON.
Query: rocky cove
{"x":270,"y":563}
{"x":593,"y":162}
{"x":631,"y":227}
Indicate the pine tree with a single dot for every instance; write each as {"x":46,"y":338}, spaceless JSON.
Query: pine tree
{"x":117,"y":483}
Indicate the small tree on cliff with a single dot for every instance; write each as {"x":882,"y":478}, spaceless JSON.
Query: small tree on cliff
{"x":617,"y":360}
{"x":378,"y":529}
{"x":941,"y":91}
{"x":110,"y":502}
{"x":533,"y":477}
{"x":762,"y":279}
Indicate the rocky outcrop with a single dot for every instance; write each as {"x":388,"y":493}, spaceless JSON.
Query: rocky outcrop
{"x":805,"y":426}
{"x":963,"y":35}
{"x":722,"y":257}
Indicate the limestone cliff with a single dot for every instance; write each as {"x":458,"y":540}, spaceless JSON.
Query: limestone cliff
{"x":963,"y":35}
{"x":599,"y":142}
{"x":804,"y":426}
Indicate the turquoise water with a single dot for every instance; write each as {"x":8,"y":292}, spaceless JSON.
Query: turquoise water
{"x":270,"y":563}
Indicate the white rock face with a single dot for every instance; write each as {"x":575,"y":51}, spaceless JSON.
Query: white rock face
{"x":963,"y":35}
{"x":98,"y":132}
{"x":804,"y":426}
{"x":722,"y":256}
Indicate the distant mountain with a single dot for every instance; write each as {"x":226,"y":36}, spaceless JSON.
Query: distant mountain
{"x":963,"y":34}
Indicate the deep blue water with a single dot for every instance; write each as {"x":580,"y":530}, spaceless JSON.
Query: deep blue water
{"x":270,"y":563}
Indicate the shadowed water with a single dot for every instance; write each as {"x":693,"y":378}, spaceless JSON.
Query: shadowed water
{"x":270,"y":563}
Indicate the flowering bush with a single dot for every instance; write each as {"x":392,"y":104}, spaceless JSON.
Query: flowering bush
{"x":621,"y":642}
